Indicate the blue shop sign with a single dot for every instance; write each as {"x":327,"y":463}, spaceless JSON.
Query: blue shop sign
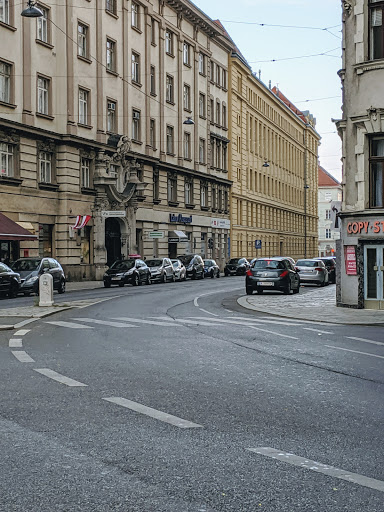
{"x":180,"y":219}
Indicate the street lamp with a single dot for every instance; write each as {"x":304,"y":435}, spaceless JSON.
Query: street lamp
{"x":31,"y":11}
{"x":265,"y":164}
{"x":189,"y":121}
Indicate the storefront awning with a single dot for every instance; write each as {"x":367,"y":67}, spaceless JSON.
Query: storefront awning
{"x":180,"y":234}
{"x":10,"y":230}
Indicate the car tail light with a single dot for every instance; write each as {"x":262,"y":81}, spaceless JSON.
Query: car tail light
{"x":249,"y":273}
{"x":319,"y":269}
{"x":297,"y":269}
{"x":283,"y":274}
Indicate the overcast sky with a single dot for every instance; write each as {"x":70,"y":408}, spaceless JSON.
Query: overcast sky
{"x":300,"y":79}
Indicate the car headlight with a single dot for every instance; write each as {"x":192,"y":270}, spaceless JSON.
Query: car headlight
{"x":32,"y":279}
{"x":129,"y":272}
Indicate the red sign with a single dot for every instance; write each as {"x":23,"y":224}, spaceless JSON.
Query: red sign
{"x":26,"y":253}
{"x":350,"y":260}
{"x":368,"y":226}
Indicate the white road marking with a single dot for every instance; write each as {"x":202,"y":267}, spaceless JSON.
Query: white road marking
{"x":317,"y":330}
{"x":59,"y":378}
{"x":153,"y":413}
{"x":196,"y":299}
{"x":297,"y":320}
{"x":15,"y":342}
{"x":166,"y":323}
{"x":196,"y":322}
{"x":22,"y":356}
{"x":301,"y":462}
{"x":273,"y":332}
{"x":364,"y":340}
{"x":243,"y":322}
{"x":104,"y":322}
{"x":25,"y":322}
{"x":355,"y":351}
{"x":71,"y":325}
{"x":22,"y":332}
{"x":208,"y":312}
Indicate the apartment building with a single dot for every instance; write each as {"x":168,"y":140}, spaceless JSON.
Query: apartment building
{"x":113,"y":131}
{"x":361,"y":251}
{"x":329,"y":205}
{"x":274,"y":161}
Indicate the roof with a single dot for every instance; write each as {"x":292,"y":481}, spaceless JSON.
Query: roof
{"x":289,"y":104}
{"x":326,"y":179}
{"x":10,"y":230}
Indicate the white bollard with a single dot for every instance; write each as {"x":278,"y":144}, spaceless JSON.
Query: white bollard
{"x":46,"y":290}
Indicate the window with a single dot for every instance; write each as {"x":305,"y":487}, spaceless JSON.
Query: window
{"x":377,"y":173}
{"x":5,"y":82}
{"x":204,"y":194}
{"x":111,"y":57}
{"x":224,"y":117}
{"x":225,"y":157}
{"x":376,"y":15}
{"x":156,"y":188}
{"x":135,"y":67}
{"x":169,"y":42}
{"x":201,"y":151}
{"x":226,"y":200}
{"x":214,"y":197}
{"x":6,"y":159}
{"x":169,"y":89}
{"x":186,"y":54}
{"x":110,"y":6}
{"x":153,"y":81}
{"x":86,"y":173}
{"x":212,"y":111}
{"x":218,"y":112}
{"x":82,"y":40}
{"x":327,"y":214}
{"x":224,"y":79}
{"x":152,"y":133}
{"x":42,"y":25}
{"x":83,"y":106}
{"x":218,"y":154}
{"x":201,"y":64}
{"x":45,"y":167}
{"x":187,"y":145}
{"x":212,"y":71}
{"x":153,"y":31}
{"x":135,"y":16}
{"x":111,"y":116}
{"x":328,"y":233}
{"x":43,"y":95}
{"x":202,"y":105}
{"x":172,"y":187}
{"x":4,"y":11}
{"x":187,"y":97}
{"x":170,"y":140}
{"x":188,"y":191}
{"x":136,"y":125}
{"x":218,"y":75}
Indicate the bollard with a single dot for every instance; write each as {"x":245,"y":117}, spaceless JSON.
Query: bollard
{"x":46,"y":290}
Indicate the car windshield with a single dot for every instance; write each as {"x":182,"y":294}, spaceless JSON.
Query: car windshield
{"x":208,"y":263}
{"x":187,"y":259}
{"x":308,"y":263}
{"x":154,"y":263}
{"x":233,"y":261}
{"x":269,"y":264}
{"x":328,"y":263}
{"x":175,"y":263}
{"x":123,"y":265}
{"x":20,"y":265}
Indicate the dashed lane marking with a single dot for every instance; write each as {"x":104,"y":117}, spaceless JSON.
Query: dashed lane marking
{"x":51,"y":374}
{"x":355,"y":351}
{"x":22,"y":356}
{"x":365,"y":341}
{"x":317,"y":330}
{"x":153,"y":413}
{"x":325,"y":469}
{"x":245,"y":321}
{"x":104,"y":322}
{"x":167,"y":323}
{"x":208,"y":312}
{"x":71,"y":325}
{"x":273,"y":332}
{"x":15,"y":343}
{"x":22,"y":332}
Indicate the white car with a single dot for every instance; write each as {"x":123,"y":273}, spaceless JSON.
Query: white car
{"x":180,"y":270}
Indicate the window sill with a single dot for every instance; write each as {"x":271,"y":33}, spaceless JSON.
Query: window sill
{"x":9,"y":105}
{"x":84,"y":59}
{"x":45,"y":116}
{"x":44,"y":43}
{"x":87,"y":126}
{"x":8,"y":180}
{"x":186,"y":64}
{"x":153,"y":44}
{"x":203,"y":117}
{"x":188,"y":159}
{"x":214,"y":209}
{"x":369,"y":65}
{"x":156,"y":201}
{"x":48,"y":186}
{"x":190,"y":206}
{"x":136,"y":29}
{"x":173,"y":203}
{"x":202,"y":163}
{"x":137,"y":141}
{"x":9,"y":27}
{"x":170,"y":102}
{"x":140,"y":198}
{"x":171,"y":154}
{"x":204,"y":208}
{"x":203,"y":74}
{"x":153,"y":94}
{"x":111,"y":13}
{"x":88,"y":191}
{"x":137,"y":84}
{"x":112,"y":72}
{"x":188,"y":110}
{"x":170,"y":55}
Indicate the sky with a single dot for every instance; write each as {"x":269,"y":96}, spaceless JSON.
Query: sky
{"x":311,"y":83}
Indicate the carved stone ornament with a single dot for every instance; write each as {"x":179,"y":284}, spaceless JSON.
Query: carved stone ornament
{"x":347,"y":7}
{"x":9,"y":137}
{"x":46,"y":145}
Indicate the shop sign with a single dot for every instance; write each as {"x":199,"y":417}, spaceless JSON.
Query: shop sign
{"x":156,"y":234}
{"x":113,"y":213}
{"x":350,"y":260}
{"x":366,"y":227}
{"x":180,"y":218}
{"x":220,"y":223}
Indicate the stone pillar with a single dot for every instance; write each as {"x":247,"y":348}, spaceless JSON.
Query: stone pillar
{"x":99,"y":250}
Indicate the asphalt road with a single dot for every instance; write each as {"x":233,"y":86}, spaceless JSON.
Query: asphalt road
{"x":172,"y":398}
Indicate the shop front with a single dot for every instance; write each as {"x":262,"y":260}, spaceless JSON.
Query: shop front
{"x":11,"y":235}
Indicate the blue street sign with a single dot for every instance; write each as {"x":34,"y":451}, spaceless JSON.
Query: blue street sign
{"x":257,"y":244}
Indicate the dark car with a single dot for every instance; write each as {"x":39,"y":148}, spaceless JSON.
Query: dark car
{"x":194,"y":264}
{"x":9,"y":281}
{"x":211,"y":269}
{"x":30,"y":269}
{"x":236,"y":267}
{"x":161,"y":269}
{"x":272,"y":274}
{"x":132,"y":271}
{"x":330,"y":264}
{"x":180,"y":270}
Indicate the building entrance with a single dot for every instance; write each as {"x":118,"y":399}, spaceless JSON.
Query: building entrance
{"x":373,"y":276}
{"x":112,"y":240}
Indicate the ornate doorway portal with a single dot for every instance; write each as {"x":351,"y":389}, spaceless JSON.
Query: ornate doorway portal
{"x":112,"y":240}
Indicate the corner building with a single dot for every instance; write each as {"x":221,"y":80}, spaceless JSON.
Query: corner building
{"x":274,"y":162}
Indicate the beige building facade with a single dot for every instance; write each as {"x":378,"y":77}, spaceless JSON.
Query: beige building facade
{"x":274,"y":161}
{"x":93,"y":101}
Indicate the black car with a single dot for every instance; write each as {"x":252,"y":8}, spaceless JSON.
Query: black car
{"x":9,"y":281}
{"x":161,"y":270}
{"x":236,"y":267}
{"x":272,"y":274}
{"x":130,"y":271}
{"x":211,"y":269}
{"x":30,"y":269}
{"x":330,"y":264}
{"x":194,"y":264}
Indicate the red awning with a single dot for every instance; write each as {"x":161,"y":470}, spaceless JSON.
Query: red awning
{"x":10,"y":230}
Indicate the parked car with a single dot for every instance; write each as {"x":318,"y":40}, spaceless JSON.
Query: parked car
{"x":211,"y":269}
{"x":330,"y":264}
{"x":236,"y":267}
{"x":161,"y":270}
{"x":194,"y":265}
{"x":312,"y":271}
{"x":132,"y":271}
{"x":180,"y":270}
{"x":9,"y":281}
{"x":30,"y":269}
{"x":272,"y":274}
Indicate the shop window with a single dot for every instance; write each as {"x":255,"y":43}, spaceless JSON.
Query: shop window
{"x":85,"y":256}
{"x":45,"y":240}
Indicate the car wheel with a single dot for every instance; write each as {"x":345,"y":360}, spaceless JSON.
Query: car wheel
{"x":135,"y":280}
{"x":193,"y":275}
{"x":226,"y":274}
{"x":212,"y":274}
{"x":173,"y":278}
{"x":322,"y":284}
{"x":121,"y":284}
{"x":288,"y":288}
{"x":13,"y":291}
{"x":297,"y":290}
{"x":202,"y":275}
{"x":164,"y":278}
{"x":218,"y":274}
{"x":61,"y":287}
{"x":185,"y":277}
{"x":259,"y":291}
{"x":148,"y":280}
{"x":249,"y":291}
{"x":106,"y":284}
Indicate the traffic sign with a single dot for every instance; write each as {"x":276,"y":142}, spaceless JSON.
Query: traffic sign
{"x":257,"y":244}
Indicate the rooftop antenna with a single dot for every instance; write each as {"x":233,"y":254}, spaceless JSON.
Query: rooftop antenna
{"x":259,"y":74}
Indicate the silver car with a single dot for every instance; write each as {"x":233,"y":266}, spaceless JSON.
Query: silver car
{"x":312,"y":271}
{"x":161,"y":270}
{"x":180,"y":270}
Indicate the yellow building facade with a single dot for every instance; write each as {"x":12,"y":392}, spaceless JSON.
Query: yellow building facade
{"x":273,"y":166}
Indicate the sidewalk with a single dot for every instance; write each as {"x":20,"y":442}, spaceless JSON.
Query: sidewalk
{"x":319,"y":305}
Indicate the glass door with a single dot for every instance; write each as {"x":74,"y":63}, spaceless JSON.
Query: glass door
{"x":373,"y":273}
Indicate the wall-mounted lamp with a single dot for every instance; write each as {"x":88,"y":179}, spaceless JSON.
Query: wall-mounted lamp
{"x":189,"y":121}
{"x":32,"y":11}
{"x":265,"y":164}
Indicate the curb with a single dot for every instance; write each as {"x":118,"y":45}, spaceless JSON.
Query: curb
{"x":33,"y":319}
